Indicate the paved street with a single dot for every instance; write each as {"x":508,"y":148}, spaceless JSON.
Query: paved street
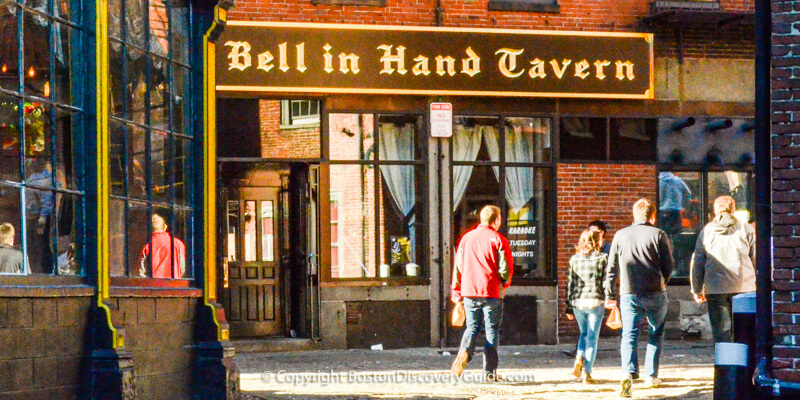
{"x":531,"y":372}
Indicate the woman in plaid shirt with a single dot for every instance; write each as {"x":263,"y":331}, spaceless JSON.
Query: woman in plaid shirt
{"x":585,"y":298}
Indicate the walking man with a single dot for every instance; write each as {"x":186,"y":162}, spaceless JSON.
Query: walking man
{"x":482,"y":272}
{"x":641,"y":257}
{"x":723,"y":266}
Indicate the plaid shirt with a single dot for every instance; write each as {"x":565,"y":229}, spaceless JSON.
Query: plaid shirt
{"x":585,"y":280}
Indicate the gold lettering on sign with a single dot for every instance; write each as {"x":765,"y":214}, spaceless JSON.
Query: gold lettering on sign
{"x":421,"y":67}
{"x":343,"y":61}
{"x":388,"y":59}
{"x":282,"y":55}
{"x":328,"y":57}
{"x":560,"y":69}
{"x":508,"y":62}
{"x":580,"y":69}
{"x":440,"y":65}
{"x":599,"y":65}
{"x":301,"y":57}
{"x":239,"y":55}
{"x":628,"y":67}
{"x":472,"y":65}
{"x":537,"y":70}
{"x":264,"y":60}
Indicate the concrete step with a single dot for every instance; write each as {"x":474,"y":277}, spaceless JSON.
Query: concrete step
{"x":275,"y":344}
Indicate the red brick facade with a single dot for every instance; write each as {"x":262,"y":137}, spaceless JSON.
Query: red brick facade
{"x":592,"y":191}
{"x":785,"y":184}
{"x":285,"y":143}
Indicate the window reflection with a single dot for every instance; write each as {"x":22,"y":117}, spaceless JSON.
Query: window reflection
{"x":249,"y":231}
{"x":267,"y":236}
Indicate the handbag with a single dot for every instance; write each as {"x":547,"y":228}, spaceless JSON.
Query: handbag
{"x":614,"y":320}
{"x":458,"y":316}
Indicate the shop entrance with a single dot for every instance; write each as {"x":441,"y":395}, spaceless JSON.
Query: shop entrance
{"x":269,"y":283}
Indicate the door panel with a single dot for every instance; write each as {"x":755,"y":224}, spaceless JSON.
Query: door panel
{"x":251,"y":299}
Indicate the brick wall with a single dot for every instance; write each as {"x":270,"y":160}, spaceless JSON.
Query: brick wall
{"x":785,"y":184}
{"x":591,"y":191}
{"x":43,"y":348}
{"x":159,"y":333}
{"x":728,"y":41}
{"x":285,"y":143}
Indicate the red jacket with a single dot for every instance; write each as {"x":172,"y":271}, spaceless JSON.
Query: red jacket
{"x":162,"y":266}
{"x":483,"y":264}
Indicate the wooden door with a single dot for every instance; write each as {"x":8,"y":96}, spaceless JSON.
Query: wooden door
{"x":252,"y":298}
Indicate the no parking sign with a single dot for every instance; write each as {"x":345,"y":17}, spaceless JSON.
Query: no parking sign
{"x":441,"y":119}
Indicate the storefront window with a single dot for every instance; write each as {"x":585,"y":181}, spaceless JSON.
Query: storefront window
{"x":608,"y":139}
{"x":375,"y":196}
{"x":510,"y":171}
{"x":686,"y":205}
{"x":152,"y":145}
{"x":42,"y":155}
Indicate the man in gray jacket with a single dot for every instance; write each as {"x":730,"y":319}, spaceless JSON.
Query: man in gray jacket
{"x":641,"y":256}
{"x":723,"y":265}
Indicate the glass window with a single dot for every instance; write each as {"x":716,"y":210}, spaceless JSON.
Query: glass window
{"x":492,"y":169}
{"x":374,"y":197}
{"x":633,"y":139}
{"x":299,"y":112}
{"x":680,"y":214}
{"x":583,"y":139}
{"x":42,"y":155}
{"x":686,"y":205}
{"x":151,"y":144}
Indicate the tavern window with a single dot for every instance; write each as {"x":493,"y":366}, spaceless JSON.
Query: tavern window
{"x":153,"y":138}
{"x":42,"y":128}
{"x":376,"y":190}
{"x":506,"y":162}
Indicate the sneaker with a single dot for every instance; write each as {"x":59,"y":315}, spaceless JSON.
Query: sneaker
{"x":587,"y":379}
{"x":460,"y":363}
{"x":652,"y":382}
{"x":625,"y":386}
{"x":578,"y":367}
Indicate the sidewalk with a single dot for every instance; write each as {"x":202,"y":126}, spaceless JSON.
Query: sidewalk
{"x":532,"y":372}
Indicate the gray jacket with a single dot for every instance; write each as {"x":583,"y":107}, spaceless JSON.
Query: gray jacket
{"x":10,"y":260}
{"x":724,"y":257}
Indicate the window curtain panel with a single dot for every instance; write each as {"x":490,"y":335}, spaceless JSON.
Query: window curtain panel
{"x":466,"y":145}
{"x":519,"y":181}
{"x":396,"y":143}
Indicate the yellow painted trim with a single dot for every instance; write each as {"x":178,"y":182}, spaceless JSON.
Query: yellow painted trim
{"x":103,"y":278}
{"x":292,"y":89}
{"x":438,"y":29}
{"x":209,"y":171}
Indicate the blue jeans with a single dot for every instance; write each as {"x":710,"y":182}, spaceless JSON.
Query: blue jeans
{"x":589,"y":321}
{"x":633,"y":308}
{"x":486,"y":313}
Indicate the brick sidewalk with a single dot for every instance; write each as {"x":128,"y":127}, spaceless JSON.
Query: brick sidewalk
{"x":533,"y":372}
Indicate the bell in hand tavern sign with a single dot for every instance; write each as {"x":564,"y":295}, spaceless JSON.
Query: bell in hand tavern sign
{"x":327,"y":58}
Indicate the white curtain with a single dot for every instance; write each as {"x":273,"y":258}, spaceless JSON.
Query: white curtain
{"x":519,"y":149}
{"x":396,"y":143}
{"x":519,"y":181}
{"x":466,"y":144}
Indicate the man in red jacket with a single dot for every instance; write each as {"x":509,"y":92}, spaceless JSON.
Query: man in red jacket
{"x":483,"y":269}
{"x":168,"y":258}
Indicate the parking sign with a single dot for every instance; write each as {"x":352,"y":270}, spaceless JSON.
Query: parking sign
{"x":441,"y":119}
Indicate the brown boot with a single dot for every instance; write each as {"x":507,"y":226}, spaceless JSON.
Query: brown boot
{"x":576,"y":370}
{"x":460,"y":363}
{"x":587,"y":379}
